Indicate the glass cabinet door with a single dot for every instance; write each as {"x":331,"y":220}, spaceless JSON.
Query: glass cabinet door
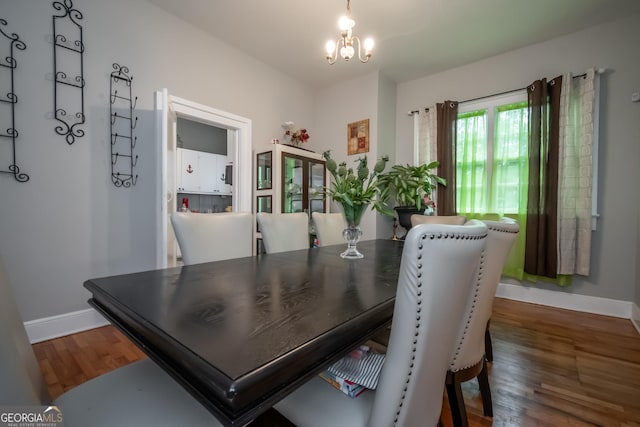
{"x":263,"y":174}
{"x":263,"y":204}
{"x":292,"y":183}
{"x":316,"y":186}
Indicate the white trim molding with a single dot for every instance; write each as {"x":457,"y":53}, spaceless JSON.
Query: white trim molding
{"x":635,"y":316}
{"x":168,"y":109}
{"x":584,"y":303}
{"x":63,"y":324}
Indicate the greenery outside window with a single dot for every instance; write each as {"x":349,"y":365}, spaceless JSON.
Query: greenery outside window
{"x":492,"y":165}
{"x":498,"y":133}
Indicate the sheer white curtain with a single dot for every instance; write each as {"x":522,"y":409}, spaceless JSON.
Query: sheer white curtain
{"x":427,"y":132}
{"x":577,"y":134}
{"x":425,"y":129}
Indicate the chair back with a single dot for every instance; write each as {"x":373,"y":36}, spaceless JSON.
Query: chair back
{"x":438,"y":269}
{"x":284,"y":232}
{"x":437,"y":219}
{"x":329,"y":228}
{"x":213,"y":237}
{"x":469,"y":349}
{"x":22,"y":382}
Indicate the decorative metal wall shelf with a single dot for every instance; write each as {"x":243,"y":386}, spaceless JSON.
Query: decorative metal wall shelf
{"x":10,"y":102}
{"x":121,"y":107}
{"x":68,"y":48}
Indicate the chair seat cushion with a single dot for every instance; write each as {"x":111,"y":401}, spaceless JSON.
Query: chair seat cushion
{"x":139,"y":394}
{"x":301,"y":409}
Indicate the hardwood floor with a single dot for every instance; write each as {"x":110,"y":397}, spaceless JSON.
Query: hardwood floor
{"x":551,"y":367}
{"x":71,"y":360}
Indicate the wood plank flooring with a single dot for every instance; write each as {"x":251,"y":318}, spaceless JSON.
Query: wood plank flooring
{"x":551,"y":368}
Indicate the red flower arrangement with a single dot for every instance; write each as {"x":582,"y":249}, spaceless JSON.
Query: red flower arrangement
{"x":295,"y":136}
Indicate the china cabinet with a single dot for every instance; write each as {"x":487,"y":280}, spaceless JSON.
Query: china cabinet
{"x":287,"y":180}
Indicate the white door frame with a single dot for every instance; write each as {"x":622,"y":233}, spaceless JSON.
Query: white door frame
{"x":242,"y":172}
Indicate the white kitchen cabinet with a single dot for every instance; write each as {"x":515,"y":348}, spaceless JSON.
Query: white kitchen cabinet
{"x":201,"y":173}
{"x":208,"y":173}
{"x":189,"y":172}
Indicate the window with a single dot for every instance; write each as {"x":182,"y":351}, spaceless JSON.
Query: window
{"x":472,"y":176}
{"x":491,"y":157}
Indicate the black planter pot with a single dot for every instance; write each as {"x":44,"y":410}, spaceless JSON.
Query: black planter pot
{"x":404,"y":215}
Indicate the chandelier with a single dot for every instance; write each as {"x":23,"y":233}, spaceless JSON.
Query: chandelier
{"x":345,"y":43}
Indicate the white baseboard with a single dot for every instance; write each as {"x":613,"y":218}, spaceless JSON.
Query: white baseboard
{"x":635,"y":316}
{"x":584,"y":303}
{"x":63,"y":324}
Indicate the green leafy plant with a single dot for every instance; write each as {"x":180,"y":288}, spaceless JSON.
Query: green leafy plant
{"x":356,"y":190}
{"x":409,"y":185}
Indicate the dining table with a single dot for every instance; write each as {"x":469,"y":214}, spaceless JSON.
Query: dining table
{"x":243,"y":333}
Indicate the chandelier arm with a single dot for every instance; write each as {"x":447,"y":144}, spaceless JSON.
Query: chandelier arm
{"x":332,"y":60}
{"x":367,"y":56}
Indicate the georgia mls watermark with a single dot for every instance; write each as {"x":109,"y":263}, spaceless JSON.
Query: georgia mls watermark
{"x":31,"y":416}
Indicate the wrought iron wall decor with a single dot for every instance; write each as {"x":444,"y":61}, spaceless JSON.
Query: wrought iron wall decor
{"x":11,"y":134}
{"x":123,"y":142}
{"x":68,"y":46}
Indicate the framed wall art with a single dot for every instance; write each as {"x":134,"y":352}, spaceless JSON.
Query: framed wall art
{"x":358,"y":137}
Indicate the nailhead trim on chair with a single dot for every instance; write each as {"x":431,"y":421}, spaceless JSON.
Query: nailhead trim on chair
{"x":453,"y":236}
{"x":473,"y":307}
{"x":507,"y":227}
{"x":419,"y":308}
{"x":417,"y":333}
{"x":503,"y":227}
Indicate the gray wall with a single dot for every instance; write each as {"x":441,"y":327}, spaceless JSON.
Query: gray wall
{"x":613,"y":46}
{"x":69,"y":223}
{"x":386,"y":140}
{"x":346,"y":102}
{"x":637,"y":298}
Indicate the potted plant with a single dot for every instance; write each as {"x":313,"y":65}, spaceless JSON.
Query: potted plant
{"x":355,"y":191}
{"x":411,"y":188}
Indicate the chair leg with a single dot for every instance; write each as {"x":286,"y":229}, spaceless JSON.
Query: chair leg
{"x":488,"y":346}
{"x":485,"y":391}
{"x":456,"y":401}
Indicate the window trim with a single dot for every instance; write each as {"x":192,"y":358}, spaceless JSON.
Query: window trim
{"x":493,"y":101}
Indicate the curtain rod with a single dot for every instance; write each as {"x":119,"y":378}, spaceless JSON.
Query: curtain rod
{"x":598,"y":71}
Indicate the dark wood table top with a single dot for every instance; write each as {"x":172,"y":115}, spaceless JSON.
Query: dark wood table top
{"x":243,"y":333}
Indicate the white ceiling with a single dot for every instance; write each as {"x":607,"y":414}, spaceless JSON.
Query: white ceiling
{"x":414,"y":38}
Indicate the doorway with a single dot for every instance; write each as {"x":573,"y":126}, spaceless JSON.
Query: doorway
{"x":168,"y":109}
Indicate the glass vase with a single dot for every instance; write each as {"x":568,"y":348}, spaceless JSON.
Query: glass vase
{"x":352,"y":234}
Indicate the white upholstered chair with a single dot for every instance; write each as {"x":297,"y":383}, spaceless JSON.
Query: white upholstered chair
{"x":284,"y":231}
{"x":437,"y":219}
{"x":135,"y":395}
{"x":329,"y":228}
{"x":469,"y":357}
{"x":437,"y":272}
{"x":383,"y":336}
{"x":213,"y":237}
